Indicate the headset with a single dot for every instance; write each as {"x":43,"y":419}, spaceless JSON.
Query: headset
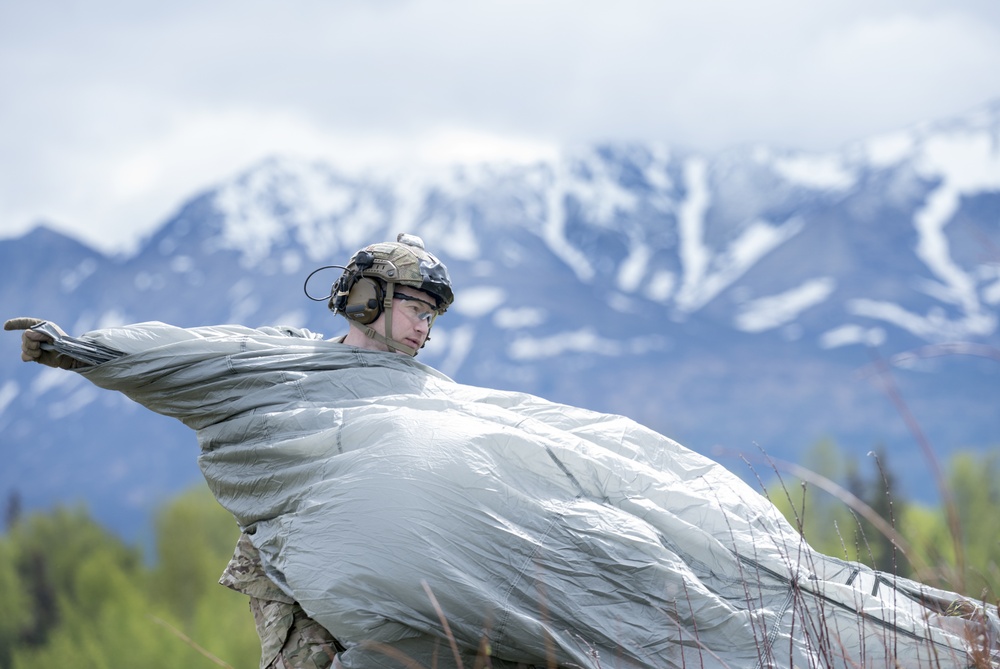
{"x":358,"y":297}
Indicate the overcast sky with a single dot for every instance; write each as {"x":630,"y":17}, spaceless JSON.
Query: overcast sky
{"x":114,"y":112}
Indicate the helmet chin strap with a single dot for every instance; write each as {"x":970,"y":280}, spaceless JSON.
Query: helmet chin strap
{"x":385,"y":339}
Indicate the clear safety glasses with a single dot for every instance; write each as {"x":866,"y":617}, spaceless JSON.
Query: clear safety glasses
{"x":416,"y":308}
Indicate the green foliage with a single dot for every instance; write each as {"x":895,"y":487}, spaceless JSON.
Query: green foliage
{"x":833,"y":521}
{"x":224,"y":625}
{"x":194,"y":540}
{"x":73,"y":595}
{"x":975,"y":486}
{"x":932,"y":545}
{"x":111,"y":629}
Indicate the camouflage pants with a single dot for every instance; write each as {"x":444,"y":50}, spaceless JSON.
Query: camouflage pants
{"x":289,"y":638}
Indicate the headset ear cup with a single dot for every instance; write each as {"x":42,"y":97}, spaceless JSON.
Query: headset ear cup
{"x":364,"y":302}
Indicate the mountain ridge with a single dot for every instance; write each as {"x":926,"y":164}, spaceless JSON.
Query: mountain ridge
{"x":739,"y":301}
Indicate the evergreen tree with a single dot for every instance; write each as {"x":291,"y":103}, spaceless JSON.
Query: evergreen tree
{"x":13,"y":512}
{"x":14,"y":603}
{"x":833,"y":505}
{"x":878,"y":491}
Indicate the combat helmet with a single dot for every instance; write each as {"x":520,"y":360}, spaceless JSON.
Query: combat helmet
{"x":367,"y":287}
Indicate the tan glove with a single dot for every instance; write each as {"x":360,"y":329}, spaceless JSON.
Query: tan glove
{"x":31,"y":344}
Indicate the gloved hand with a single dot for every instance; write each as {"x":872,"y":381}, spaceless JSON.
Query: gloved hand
{"x":31,"y":344}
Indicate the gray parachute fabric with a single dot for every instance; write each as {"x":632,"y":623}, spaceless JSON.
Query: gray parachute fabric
{"x":379,"y":492}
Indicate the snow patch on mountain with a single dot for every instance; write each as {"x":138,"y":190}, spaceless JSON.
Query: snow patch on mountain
{"x":965,"y":163}
{"x":933,"y":247}
{"x":633,"y":268}
{"x":554,"y":225}
{"x":249,"y":224}
{"x":8,"y":392}
{"x":767,"y":313}
{"x":296,"y":318}
{"x":77,"y":401}
{"x":182,"y":264}
{"x":50,"y":379}
{"x":110,"y":318}
{"x":460,"y":242}
{"x":756,"y":240}
{"x":284,"y":197}
{"x":655,"y":171}
{"x":847,"y":335}
{"x":448,"y":232}
{"x":694,"y":254}
{"x":600,"y":193}
{"x":661,"y":285}
{"x":477,"y":301}
{"x":820,"y":172}
{"x":991,"y":292}
{"x":516,"y":318}
{"x":410,"y":195}
{"x":243,"y":301}
{"x":458,"y":343}
{"x":584,"y":340}
{"x":706,"y":273}
{"x":888,"y":149}
{"x":935,"y":326}
{"x":72,"y":278}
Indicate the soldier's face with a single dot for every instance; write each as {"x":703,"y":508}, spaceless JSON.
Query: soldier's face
{"x":412,"y":312}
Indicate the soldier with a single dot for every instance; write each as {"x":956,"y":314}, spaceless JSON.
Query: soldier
{"x":390,"y":293}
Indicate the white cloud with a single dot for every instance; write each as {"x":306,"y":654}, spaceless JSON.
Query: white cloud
{"x":120,"y":111}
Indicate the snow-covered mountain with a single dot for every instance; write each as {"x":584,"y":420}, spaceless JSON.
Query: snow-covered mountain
{"x":739,"y":302}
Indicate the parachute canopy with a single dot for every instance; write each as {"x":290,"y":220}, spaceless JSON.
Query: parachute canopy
{"x":380,"y":493}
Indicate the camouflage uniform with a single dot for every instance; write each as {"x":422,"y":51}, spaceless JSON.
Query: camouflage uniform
{"x":289,"y":638}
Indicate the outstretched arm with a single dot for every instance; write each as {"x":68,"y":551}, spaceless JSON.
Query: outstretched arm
{"x":32,"y":341}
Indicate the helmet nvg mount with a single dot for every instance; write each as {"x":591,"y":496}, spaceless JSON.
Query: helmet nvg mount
{"x":365,"y":290}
